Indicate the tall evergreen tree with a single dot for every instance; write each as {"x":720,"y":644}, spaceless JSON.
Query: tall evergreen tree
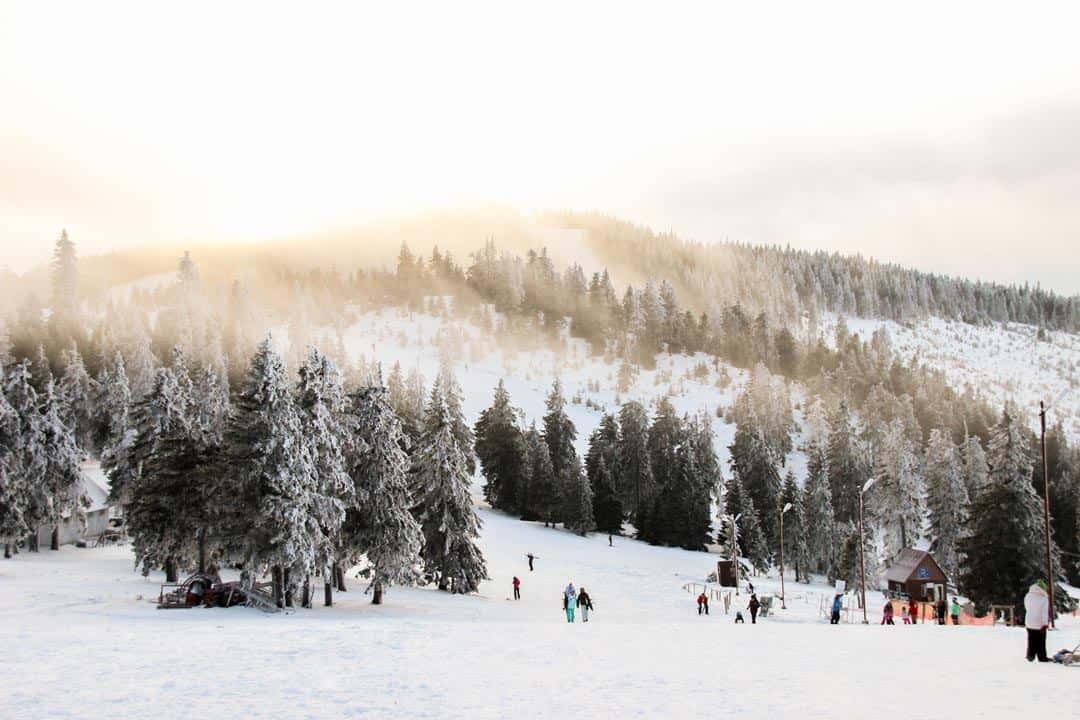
{"x":821,"y":533}
{"x":758,"y":473}
{"x":974,"y":468}
{"x":271,"y":522}
{"x":61,"y":490}
{"x":559,"y":434}
{"x":947,"y":500}
{"x":541,"y":491}
{"x":76,"y":396}
{"x":500,"y":446}
{"x":751,"y":541}
{"x":379,"y":523}
{"x":444,"y":507}
{"x":1003,"y":549}
{"x":578,"y":506}
{"x":898,"y":494}
{"x":633,"y":468}
{"x":845,"y":478}
{"x":600,"y":458}
{"x":796,"y":548}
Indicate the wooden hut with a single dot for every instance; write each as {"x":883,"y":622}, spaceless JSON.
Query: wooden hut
{"x":916,"y":575}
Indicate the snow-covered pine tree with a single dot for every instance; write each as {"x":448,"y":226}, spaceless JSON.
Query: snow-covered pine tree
{"x":559,"y":434}
{"x":320,"y":402}
{"x":270,"y":524}
{"x":600,"y":458}
{"x":897,"y":498}
{"x":463,"y":434}
{"x":578,"y":507}
{"x":973,"y":466}
{"x":26,"y":458}
{"x":758,"y":472}
{"x":821,"y":533}
{"x":1003,"y":549}
{"x":168,"y":504}
{"x":76,"y":396}
{"x":633,"y":468}
{"x":845,"y":478}
{"x":444,"y":508}
{"x":12,"y":486}
{"x":379,"y":523}
{"x":796,"y":550}
{"x":500,"y":445}
{"x":541,"y":495}
{"x":111,"y":406}
{"x":751,"y":541}
{"x":212,"y":402}
{"x":946,"y":500}
{"x":61,"y":482}
{"x":41,"y":375}
{"x":65,"y":279}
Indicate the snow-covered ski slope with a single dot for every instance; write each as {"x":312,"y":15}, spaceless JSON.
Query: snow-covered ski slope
{"x":82,"y":639}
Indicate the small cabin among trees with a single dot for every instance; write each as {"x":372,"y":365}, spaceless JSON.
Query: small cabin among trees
{"x":915,"y":574}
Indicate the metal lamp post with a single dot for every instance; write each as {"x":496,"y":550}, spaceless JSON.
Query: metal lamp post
{"x":783,"y":595}
{"x":735,"y":548}
{"x":1046,"y":500}
{"x":862,"y":542}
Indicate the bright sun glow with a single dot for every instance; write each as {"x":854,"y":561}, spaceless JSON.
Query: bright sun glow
{"x":134,"y":122}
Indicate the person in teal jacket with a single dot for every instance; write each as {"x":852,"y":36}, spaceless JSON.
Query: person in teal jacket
{"x":954,"y":611}
{"x":569,"y":602}
{"x":837,"y":605}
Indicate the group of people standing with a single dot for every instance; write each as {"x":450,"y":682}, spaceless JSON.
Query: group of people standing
{"x":909,"y":613}
{"x":576,"y":599}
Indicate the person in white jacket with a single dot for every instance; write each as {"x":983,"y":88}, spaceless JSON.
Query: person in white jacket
{"x":1037,"y":620}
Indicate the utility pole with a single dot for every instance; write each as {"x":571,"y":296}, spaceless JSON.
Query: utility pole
{"x":783,"y":595}
{"x":735,"y":548}
{"x":862,"y":549}
{"x":1046,"y":510}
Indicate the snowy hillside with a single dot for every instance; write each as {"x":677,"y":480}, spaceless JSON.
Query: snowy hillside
{"x":1002,"y":362}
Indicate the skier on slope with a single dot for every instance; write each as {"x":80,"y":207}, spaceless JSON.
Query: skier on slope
{"x":531,"y":558}
{"x":569,"y":602}
{"x":585,"y":603}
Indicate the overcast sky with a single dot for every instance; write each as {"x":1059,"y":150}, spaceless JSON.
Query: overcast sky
{"x":943,"y":136}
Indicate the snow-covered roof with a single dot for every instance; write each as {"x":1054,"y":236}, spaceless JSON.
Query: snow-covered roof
{"x":96,"y":485}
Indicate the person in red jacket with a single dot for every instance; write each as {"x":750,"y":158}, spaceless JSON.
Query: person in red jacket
{"x":702,"y":604}
{"x":914,"y":611}
{"x":517,"y":588}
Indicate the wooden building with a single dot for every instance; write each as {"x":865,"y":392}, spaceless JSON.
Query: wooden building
{"x":916,"y":575}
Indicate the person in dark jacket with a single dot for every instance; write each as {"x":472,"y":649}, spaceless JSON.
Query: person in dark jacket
{"x":753,"y":607}
{"x":584,"y":603}
{"x":887,"y":614}
{"x":942,"y":608}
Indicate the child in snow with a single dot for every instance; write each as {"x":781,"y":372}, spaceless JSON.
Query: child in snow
{"x":837,"y":604}
{"x":702,"y":604}
{"x":905,"y":615}
{"x":517,"y":588}
{"x":585,"y":603}
{"x":739,"y":617}
{"x":887,"y":614}
{"x":954,"y":611}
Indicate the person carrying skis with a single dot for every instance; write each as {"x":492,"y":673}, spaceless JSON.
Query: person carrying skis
{"x":517,"y":588}
{"x":585,"y":603}
{"x":569,"y":602}
{"x":887,"y":614}
{"x":954,"y":611}
{"x":753,"y":608}
{"x":702,"y":603}
{"x":837,"y":605}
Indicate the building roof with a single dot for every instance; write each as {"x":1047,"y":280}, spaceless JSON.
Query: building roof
{"x":96,"y":486}
{"x":907,"y":563}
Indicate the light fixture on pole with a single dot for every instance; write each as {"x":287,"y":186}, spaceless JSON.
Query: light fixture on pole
{"x":783,"y":595}
{"x":1046,"y":499}
{"x":862,"y":542}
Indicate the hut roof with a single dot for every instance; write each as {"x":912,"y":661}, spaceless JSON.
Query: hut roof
{"x":907,"y":563}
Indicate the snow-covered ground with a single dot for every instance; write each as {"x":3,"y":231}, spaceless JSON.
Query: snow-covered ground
{"x":82,"y":639}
